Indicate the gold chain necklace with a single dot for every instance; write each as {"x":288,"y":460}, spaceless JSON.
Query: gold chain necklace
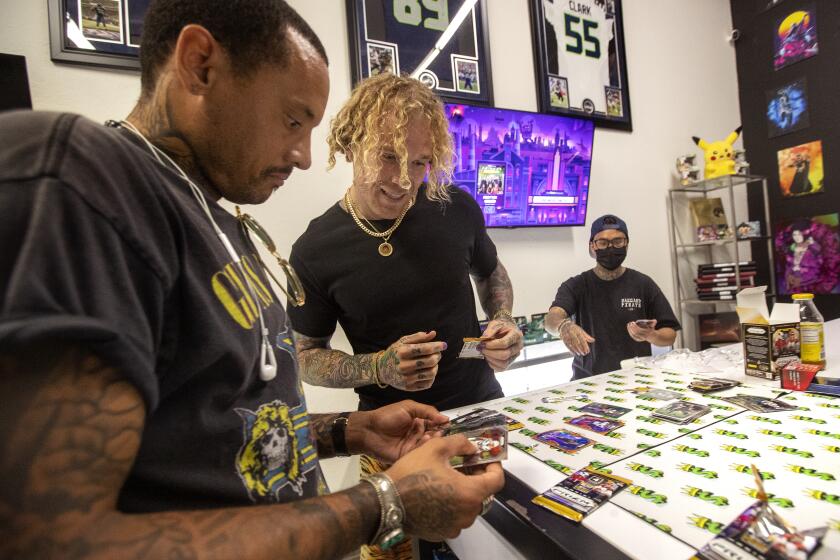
{"x":385,"y":248}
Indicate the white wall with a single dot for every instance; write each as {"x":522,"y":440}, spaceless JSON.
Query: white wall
{"x":682,"y":83}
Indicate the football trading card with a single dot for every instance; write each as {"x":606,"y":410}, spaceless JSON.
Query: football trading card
{"x":759,"y":404}
{"x":566,"y":398}
{"x":595,"y":423}
{"x":710,"y":385}
{"x":473,"y":420}
{"x":491,"y":444}
{"x":564,"y":440}
{"x":470,"y":348}
{"x":663,"y":394}
{"x":608,"y":410}
{"x":581,"y":493}
{"x":681,"y":412}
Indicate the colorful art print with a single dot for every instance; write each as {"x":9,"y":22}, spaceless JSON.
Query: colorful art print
{"x":759,"y":404}
{"x":443,"y":43}
{"x":795,"y":37}
{"x":801,"y":169}
{"x":787,"y":108}
{"x":491,"y":179}
{"x":580,"y":60}
{"x":749,"y":230}
{"x":581,"y":493}
{"x":102,"y":33}
{"x":564,"y":440}
{"x":609,"y":410}
{"x":595,"y":424}
{"x":719,"y":327}
{"x":808,"y":255}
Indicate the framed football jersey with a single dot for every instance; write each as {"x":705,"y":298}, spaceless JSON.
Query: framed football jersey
{"x":579,"y":58}
{"x":443,"y":43}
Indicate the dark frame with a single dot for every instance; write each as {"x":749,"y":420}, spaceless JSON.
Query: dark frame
{"x":358,"y":58}
{"x":540,"y":50}
{"x":116,"y":56}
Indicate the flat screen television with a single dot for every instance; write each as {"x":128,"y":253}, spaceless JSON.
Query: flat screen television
{"x":524,"y":169}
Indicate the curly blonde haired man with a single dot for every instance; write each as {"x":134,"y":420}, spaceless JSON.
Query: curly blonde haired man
{"x":391,"y":262}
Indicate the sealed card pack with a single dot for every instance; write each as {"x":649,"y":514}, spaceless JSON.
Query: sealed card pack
{"x":487,"y":430}
{"x":759,"y":404}
{"x":581,"y":493}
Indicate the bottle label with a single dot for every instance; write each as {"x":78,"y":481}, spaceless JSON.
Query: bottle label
{"x":812,"y":347}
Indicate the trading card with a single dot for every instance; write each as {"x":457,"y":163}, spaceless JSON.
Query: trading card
{"x":550,"y":400}
{"x":759,"y":404}
{"x":710,"y":385}
{"x":513,"y":424}
{"x":491,"y":444}
{"x":663,"y":394}
{"x":595,"y":423}
{"x":474,"y":420}
{"x":470,"y":347}
{"x":564,"y":440}
{"x":581,"y":493}
{"x":644,"y":323}
{"x":608,"y":410}
{"x":681,"y":412}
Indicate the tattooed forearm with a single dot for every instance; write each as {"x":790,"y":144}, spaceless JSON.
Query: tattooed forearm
{"x":321,"y":425}
{"x":320,"y":365}
{"x":496,"y":291}
{"x":427,"y":505}
{"x":70,"y":430}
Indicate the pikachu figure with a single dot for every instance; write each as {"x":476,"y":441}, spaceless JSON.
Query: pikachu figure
{"x":719,"y":155}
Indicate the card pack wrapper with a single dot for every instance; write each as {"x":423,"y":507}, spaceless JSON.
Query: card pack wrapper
{"x":581,"y":493}
{"x":759,"y":404}
{"x":712,"y":384}
{"x":771,"y":340}
{"x":487,"y":430}
{"x":797,"y":376}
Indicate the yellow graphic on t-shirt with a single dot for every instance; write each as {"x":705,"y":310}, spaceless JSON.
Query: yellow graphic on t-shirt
{"x":235,"y":292}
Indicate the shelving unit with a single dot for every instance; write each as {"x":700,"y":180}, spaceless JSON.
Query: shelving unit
{"x":682,"y":234}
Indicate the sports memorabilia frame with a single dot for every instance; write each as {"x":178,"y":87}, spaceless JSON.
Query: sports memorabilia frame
{"x":580,"y":62}
{"x":443,"y":43}
{"x":103,"y":33}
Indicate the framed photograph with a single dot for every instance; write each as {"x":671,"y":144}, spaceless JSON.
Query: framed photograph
{"x":801,"y":169}
{"x":102,"y":33}
{"x":579,"y":58}
{"x":443,"y":43}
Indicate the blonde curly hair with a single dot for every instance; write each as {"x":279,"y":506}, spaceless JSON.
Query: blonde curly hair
{"x":358,"y":129}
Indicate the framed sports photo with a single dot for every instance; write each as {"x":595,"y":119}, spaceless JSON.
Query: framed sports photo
{"x":443,"y":43}
{"x":102,"y":33}
{"x":581,"y":67}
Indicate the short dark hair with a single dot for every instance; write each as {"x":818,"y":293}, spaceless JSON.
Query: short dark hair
{"x":252,"y":31}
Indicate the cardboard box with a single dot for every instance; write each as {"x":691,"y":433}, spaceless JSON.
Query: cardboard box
{"x":771,"y":340}
{"x":797,"y":376}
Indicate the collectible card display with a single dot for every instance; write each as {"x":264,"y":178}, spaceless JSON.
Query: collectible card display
{"x":795,"y":38}
{"x":580,"y":60}
{"x":524,"y":169}
{"x":787,"y":108}
{"x":581,"y":493}
{"x":801,"y":169}
{"x":442,"y":43}
{"x":808,"y":255}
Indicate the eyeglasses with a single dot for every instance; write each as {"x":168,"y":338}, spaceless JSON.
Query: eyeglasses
{"x":617,"y":243}
{"x":297,"y":297}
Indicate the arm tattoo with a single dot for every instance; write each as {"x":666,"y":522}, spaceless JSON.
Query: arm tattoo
{"x":496,"y":291}
{"x":69,"y":434}
{"x":320,"y":365}
{"x":427,"y":505}
{"x":322,"y":428}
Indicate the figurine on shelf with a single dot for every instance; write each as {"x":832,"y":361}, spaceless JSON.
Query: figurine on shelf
{"x":719,"y":155}
{"x":687,"y":170}
{"x":742,"y":166}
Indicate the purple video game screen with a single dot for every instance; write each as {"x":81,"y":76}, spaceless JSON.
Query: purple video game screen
{"x":524,"y":169}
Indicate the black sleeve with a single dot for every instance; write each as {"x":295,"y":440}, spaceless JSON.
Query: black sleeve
{"x":67,"y":275}
{"x":660,"y":308}
{"x":568,"y":295}
{"x":484,"y":258}
{"x":317,"y":318}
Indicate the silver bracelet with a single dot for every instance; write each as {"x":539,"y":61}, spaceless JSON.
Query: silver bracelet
{"x":562,"y":324}
{"x":391,"y":511}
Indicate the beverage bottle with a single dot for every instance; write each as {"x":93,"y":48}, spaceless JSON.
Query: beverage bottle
{"x":812,"y":348}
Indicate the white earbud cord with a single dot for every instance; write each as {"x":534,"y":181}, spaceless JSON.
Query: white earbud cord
{"x":268,"y":361}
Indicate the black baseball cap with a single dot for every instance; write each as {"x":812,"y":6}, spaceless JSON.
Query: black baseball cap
{"x":608,"y":221}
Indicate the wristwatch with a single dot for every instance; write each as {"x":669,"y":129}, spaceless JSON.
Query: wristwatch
{"x":338,"y":432}
{"x":391,"y":511}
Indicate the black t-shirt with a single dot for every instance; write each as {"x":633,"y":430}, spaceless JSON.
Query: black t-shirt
{"x":424,"y":285}
{"x":603,"y":308}
{"x":104,"y":247}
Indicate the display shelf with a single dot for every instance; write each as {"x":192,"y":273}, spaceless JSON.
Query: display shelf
{"x":720,"y":242}
{"x":710,"y":185}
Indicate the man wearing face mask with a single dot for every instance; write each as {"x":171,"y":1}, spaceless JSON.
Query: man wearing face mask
{"x":611,"y":312}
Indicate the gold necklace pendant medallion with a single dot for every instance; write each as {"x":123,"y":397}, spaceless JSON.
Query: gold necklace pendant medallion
{"x":386,"y":249}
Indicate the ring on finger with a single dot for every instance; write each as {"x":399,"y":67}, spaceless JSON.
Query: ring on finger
{"x":486,"y":503}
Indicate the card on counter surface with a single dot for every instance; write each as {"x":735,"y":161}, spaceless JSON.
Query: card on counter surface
{"x":581,"y":493}
{"x":760,"y":404}
{"x":663,"y":394}
{"x":608,"y":410}
{"x":681,"y":412}
{"x":564,"y":440}
{"x":595,"y":423}
{"x":710,"y":385}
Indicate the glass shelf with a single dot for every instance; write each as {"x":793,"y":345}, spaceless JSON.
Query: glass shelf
{"x":717,"y":183}
{"x":720,"y":242}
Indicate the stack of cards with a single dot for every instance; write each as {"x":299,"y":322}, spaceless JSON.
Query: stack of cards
{"x":581,"y":493}
{"x":681,"y":412}
{"x":658,"y":394}
{"x":487,"y":430}
{"x":759,"y":404}
{"x":710,"y":385}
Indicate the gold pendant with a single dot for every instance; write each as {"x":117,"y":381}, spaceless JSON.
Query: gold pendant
{"x":385,"y":249}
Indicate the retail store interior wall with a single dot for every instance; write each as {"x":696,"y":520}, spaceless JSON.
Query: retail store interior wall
{"x":682,"y":83}
{"x":756,"y":76}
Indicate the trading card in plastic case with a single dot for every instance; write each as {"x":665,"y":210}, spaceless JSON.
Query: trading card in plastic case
{"x":712,"y":384}
{"x":564,"y":440}
{"x":681,"y":412}
{"x":491,"y":443}
{"x":581,"y":493}
{"x":608,"y":410}
{"x":595,"y":423}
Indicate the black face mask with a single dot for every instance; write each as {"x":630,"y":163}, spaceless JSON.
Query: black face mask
{"x":611,"y":258}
